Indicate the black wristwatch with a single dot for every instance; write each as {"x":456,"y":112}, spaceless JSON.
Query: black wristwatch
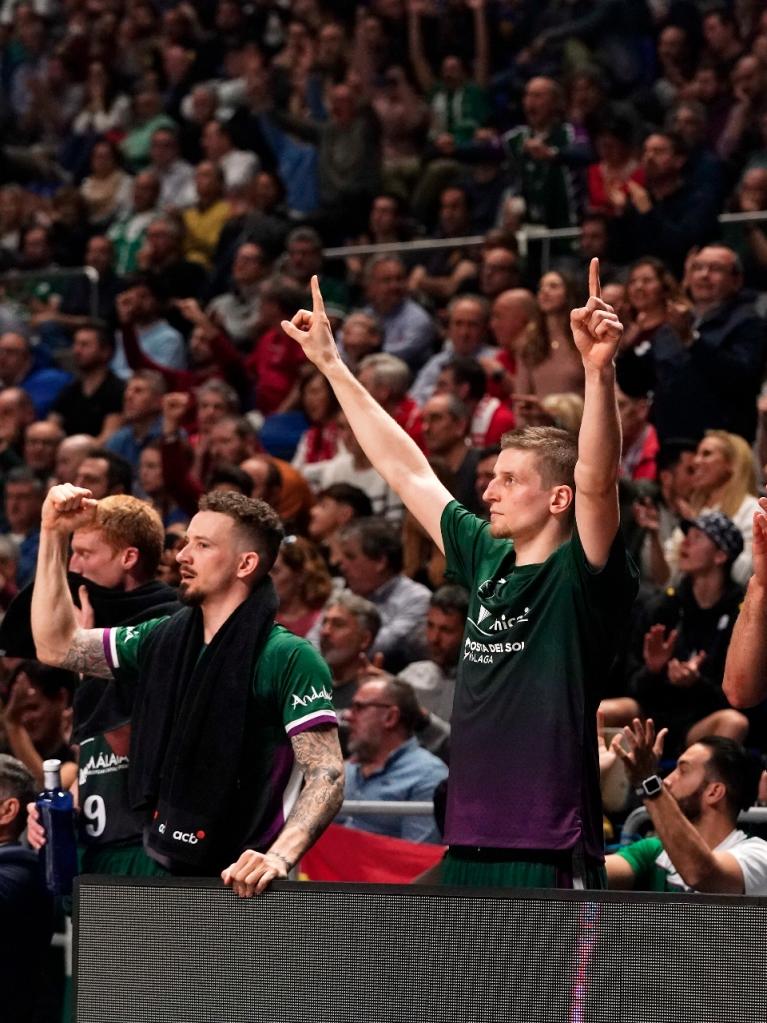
{"x":650,"y":788}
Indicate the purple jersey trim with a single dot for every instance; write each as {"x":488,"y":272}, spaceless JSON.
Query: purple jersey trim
{"x":105,"y":640}
{"x":320,"y":717}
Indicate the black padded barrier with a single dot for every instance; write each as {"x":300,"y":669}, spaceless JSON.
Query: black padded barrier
{"x":189,"y":951}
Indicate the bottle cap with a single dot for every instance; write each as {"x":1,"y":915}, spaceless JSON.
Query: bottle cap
{"x":51,"y":765}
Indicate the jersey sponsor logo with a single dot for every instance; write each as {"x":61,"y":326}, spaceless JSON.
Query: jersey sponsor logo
{"x":189,"y":837}
{"x":312,"y":697}
{"x":492,"y":624}
{"x":486,"y":653}
{"x":103,"y":763}
{"x":489,"y":622}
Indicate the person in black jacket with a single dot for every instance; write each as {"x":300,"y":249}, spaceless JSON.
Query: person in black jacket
{"x":679,"y":681}
{"x":707,"y":372}
{"x":666,"y":218}
{"x":26,"y":908}
{"x":111,"y":575}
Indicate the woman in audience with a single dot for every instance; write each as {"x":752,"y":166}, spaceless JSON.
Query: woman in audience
{"x":319,"y":442}
{"x":654,"y":298}
{"x":302,"y":582}
{"x":659,"y":319}
{"x":108,"y":190}
{"x":106,"y":108}
{"x":550,"y":358}
{"x":609,"y":178}
{"x":725,"y":481}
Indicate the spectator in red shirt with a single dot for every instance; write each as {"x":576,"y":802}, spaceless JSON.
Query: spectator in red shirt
{"x":275,"y":360}
{"x":490,"y":418}
{"x":617,"y":165}
{"x":388,"y":379}
{"x":640,"y":441}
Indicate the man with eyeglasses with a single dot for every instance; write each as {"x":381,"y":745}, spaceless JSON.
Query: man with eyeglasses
{"x":712,"y":382}
{"x":387,"y":762}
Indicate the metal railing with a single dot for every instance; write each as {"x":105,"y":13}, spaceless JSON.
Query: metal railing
{"x":638,"y":818}
{"x":525,"y":235}
{"x":386,"y":808}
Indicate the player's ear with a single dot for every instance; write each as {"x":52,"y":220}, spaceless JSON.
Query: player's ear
{"x":249,"y":562}
{"x":561,"y":498}
{"x":130,"y":558}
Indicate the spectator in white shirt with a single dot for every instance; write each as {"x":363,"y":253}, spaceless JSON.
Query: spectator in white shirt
{"x":238,"y":165}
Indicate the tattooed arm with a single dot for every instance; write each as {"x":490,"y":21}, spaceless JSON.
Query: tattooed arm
{"x":58,"y":640}
{"x":318,"y":754}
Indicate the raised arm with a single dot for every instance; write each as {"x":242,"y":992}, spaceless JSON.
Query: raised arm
{"x":745,"y":672}
{"x":318,"y":755}
{"x":58,"y":638}
{"x":597,"y":332}
{"x":418,"y":61}
{"x":481,"y":43}
{"x":391,"y":451}
{"x":699,"y":866}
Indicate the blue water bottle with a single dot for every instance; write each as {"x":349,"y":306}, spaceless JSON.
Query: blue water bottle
{"x":57,"y":816}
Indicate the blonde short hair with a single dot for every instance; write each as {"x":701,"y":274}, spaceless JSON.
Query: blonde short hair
{"x":125,"y":521}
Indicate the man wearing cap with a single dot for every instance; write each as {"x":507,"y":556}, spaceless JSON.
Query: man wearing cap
{"x":679,"y":679}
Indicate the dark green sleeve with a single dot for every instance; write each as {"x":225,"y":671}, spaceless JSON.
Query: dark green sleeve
{"x":123,"y":645}
{"x":641,"y":857}
{"x":613,"y":587}
{"x":466,"y":537}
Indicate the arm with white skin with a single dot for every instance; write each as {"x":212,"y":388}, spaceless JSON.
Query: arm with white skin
{"x":745,"y":671}
{"x":318,"y":754}
{"x":59,"y":640}
{"x":597,"y":332}
{"x":391,"y":451}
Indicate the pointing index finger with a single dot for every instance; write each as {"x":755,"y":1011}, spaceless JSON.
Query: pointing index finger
{"x":595,"y":288}
{"x":318,"y":305}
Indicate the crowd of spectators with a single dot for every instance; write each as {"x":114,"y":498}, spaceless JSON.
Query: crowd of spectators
{"x":199,"y":160}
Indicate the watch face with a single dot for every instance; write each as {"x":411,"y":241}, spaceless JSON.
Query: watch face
{"x":653,"y":785}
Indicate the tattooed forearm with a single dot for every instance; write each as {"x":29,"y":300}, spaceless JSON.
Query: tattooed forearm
{"x":86,"y":654}
{"x":318,"y":754}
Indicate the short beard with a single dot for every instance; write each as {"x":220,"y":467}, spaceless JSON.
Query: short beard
{"x":193,"y":599}
{"x":362,"y":751}
{"x":691,"y":805}
{"x":500,"y":531}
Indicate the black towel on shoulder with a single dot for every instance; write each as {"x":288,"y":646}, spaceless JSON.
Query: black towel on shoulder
{"x":99,"y":704}
{"x":189,"y":724}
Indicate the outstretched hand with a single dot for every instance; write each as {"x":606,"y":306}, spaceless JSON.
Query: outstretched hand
{"x":658,"y":647}
{"x":607,"y":755}
{"x":312,"y":331}
{"x":597,"y":331}
{"x":644,"y":749}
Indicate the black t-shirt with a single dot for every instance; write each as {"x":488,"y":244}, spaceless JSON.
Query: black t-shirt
{"x":83,"y":413}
